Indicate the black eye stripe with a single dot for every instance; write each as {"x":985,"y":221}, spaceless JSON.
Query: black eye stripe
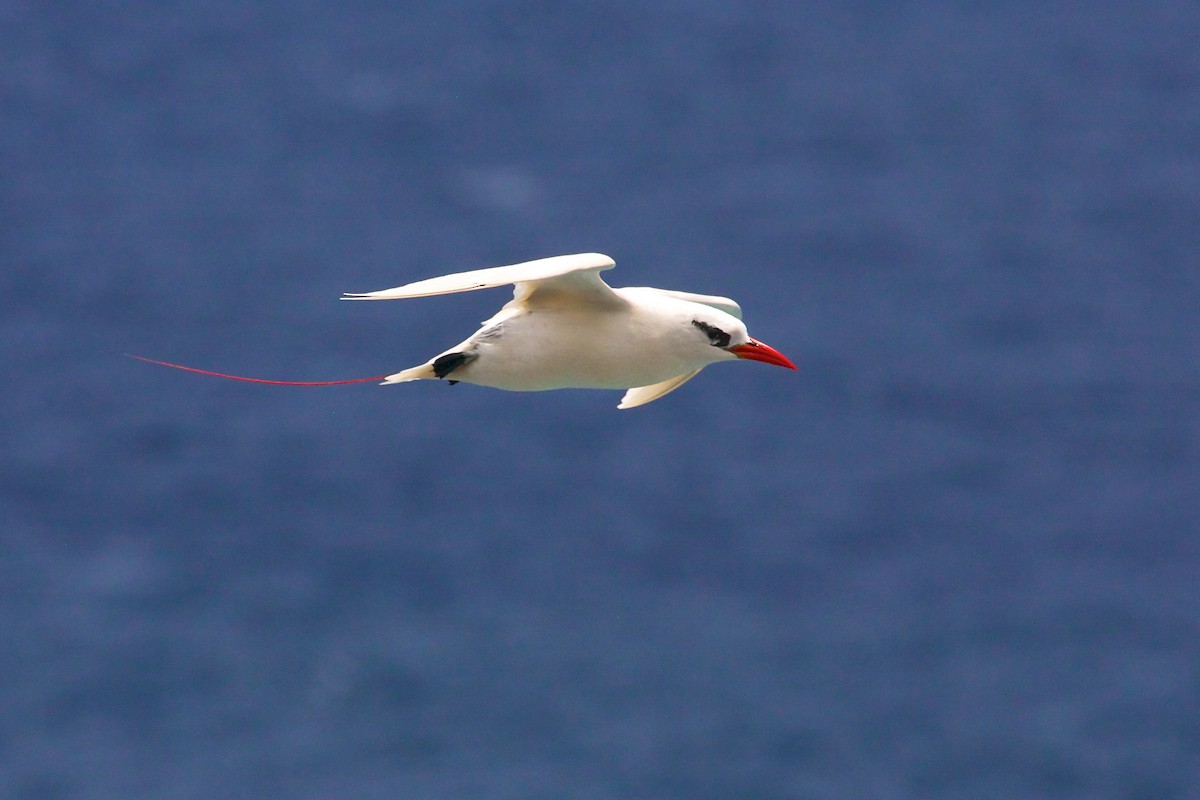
{"x":716,"y":336}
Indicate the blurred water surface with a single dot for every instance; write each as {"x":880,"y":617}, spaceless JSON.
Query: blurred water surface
{"x":955,"y":556}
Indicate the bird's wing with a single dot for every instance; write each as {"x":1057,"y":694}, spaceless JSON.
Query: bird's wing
{"x":719,"y":303}
{"x":641,"y":395}
{"x":576,"y":274}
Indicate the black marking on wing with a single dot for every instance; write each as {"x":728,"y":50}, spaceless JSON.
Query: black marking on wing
{"x":444,"y":365}
{"x":716,"y":336}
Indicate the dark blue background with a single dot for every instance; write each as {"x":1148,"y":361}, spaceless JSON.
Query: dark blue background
{"x":954,"y":556}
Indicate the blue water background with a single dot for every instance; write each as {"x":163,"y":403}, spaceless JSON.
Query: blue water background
{"x":956,"y":556}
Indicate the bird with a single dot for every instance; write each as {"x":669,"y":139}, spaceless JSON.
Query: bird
{"x":565,"y":328}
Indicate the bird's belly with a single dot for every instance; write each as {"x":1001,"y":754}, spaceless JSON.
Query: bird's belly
{"x":551,"y":370}
{"x":531,"y":357}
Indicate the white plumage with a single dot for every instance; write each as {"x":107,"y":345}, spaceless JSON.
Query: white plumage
{"x":566,"y":328}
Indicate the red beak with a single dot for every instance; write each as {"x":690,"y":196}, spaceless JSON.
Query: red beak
{"x":757,"y":351}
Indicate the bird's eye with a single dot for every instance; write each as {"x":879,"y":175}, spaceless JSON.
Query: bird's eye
{"x":716,"y":336}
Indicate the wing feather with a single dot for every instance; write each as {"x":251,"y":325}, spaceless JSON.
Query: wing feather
{"x":641,"y":395}
{"x":719,"y":303}
{"x":529,"y":271}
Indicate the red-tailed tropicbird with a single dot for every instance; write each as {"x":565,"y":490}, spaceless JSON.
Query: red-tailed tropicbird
{"x":566,"y":328}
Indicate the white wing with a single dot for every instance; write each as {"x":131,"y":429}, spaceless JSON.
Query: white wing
{"x":641,"y":395}
{"x":579,"y":273}
{"x":719,"y":303}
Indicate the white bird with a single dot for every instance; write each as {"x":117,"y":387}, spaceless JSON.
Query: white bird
{"x":566,"y":328}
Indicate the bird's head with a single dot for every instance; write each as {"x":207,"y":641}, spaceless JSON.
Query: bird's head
{"x":726,"y":332}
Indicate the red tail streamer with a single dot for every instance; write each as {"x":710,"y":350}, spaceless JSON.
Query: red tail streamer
{"x":255,"y":380}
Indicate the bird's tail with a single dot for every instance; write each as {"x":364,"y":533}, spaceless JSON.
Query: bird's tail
{"x":423,"y":372}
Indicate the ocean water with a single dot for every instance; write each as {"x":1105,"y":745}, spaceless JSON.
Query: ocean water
{"x":955,"y":555}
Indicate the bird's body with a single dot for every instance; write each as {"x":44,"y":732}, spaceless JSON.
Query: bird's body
{"x":566,"y":328}
{"x":572,"y":347}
